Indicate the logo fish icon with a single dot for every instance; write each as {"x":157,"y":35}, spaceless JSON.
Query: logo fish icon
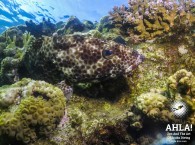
{"x":178,"y":108}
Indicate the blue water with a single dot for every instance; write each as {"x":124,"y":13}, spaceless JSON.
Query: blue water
{"x":15,"y":12}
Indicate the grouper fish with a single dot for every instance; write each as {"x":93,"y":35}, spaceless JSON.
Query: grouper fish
{"x":86,"y":59}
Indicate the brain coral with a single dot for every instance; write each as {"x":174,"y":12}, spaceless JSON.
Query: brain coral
{"x":29,"y":109}
{"x":148,"y":19}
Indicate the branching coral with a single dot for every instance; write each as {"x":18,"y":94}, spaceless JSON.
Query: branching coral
{"x":29,"y":109}
{"x":148,"y":19}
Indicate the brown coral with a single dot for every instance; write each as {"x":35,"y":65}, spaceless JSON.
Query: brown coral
{"x":183,"y":82}
{"x":148,"y":19}
{"x":154,"y":105}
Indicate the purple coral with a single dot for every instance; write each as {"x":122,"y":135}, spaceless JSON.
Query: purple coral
{"x":149,"y":19}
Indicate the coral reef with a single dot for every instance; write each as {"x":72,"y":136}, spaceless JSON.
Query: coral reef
{"x":106,"y":107}
{"x":145,"y":20}
{"x":154,"y":105}
{"x":46,"y":27}
{"x":12,"y":57}
{"x":182,"y":82}
{"x":95,"y":119}
{"x":150,"y":107}
{"x":87,"y":124}
{"x":107,"y":30}
{"x":28,"y":110}
{"x":11,"y":34}
{"x":105,"y":25}
{"x":181,"y":86}
{"x":88,"y":25}
{"x":73,"y":25}
{"x":189,"y":60}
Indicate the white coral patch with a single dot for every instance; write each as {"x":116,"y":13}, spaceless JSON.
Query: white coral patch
{"x":182,"y":50}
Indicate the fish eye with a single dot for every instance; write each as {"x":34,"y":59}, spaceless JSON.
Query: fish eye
{"x":107,"y":54}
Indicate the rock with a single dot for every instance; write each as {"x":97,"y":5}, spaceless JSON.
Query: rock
{"x":88,"y":25}
{"x":73,"y":25}
{"x":46,"y":27}
{"x":105,"y":24}
{"x":120,"y":40}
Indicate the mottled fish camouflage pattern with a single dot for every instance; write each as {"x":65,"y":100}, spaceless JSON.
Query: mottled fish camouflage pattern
{"x":84,"y":59}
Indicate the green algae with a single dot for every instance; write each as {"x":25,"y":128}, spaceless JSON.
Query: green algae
{"x":12,"y":56}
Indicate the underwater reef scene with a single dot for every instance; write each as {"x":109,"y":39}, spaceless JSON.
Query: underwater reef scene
{"x":115,"y":82}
